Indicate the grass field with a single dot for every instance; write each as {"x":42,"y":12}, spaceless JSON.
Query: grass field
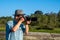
{"x":56,"y":30}
{"x":2,"y":29}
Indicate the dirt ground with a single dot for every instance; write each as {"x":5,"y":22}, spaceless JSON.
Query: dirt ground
{"x":36,"y":36}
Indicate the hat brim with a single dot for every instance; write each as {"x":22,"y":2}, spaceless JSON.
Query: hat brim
{"x":18,"y":14}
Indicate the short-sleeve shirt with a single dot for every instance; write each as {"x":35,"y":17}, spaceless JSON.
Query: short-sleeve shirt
{"x":17,"y":35}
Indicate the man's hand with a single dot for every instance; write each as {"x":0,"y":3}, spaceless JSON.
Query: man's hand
{"x":28,"y":22}
{"x":22,"y":19}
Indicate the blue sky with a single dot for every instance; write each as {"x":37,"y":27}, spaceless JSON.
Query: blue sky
{"x":7,"y":7}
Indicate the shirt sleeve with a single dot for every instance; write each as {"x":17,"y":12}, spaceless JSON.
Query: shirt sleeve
{"x":8,"y":30}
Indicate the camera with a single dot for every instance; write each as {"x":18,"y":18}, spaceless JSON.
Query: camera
{"x":28,"y":18}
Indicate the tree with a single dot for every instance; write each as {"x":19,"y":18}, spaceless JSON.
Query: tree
{"x":38,"y":12}
{"x":58,"y":16}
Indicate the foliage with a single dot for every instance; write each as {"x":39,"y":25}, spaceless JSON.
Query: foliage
{"x":45,"y":21}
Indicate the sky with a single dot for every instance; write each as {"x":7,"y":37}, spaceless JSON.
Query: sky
{"x":8,"y":7}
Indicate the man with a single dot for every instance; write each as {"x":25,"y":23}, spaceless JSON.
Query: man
{"x":15,"y":28}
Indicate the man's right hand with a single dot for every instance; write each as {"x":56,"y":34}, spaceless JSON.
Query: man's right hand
{"x":21,"y":19}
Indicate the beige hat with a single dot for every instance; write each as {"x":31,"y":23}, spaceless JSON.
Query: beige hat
{"x":18,"y":12}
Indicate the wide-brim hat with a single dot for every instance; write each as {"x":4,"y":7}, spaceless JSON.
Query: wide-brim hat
{"x":19,"y":12}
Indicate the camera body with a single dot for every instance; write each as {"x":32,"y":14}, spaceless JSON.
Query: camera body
{"x":28,"y":18}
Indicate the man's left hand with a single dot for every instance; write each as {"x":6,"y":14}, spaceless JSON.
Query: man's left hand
{"x":28,"y":22}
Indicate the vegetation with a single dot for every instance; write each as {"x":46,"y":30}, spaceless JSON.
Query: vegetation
{"x":47,"y":22}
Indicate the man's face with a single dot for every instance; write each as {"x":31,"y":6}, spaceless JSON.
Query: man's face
{"x":17,"y":17}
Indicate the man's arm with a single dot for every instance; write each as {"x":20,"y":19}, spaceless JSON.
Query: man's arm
{"x":27,"y":27}
{"x":17,"y":25}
